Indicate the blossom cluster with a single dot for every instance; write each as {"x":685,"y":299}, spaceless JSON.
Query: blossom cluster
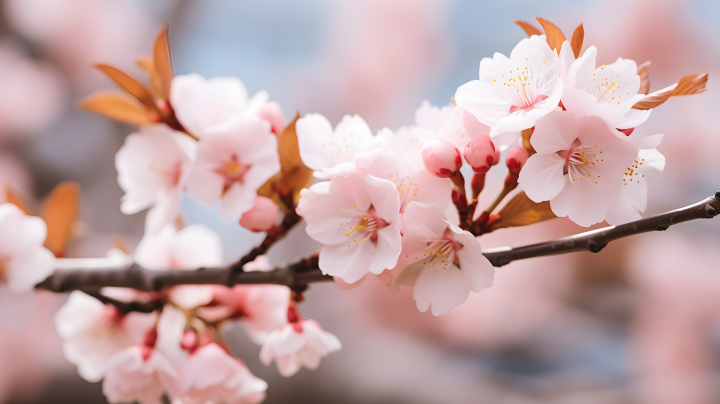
{"x":401,"y":206}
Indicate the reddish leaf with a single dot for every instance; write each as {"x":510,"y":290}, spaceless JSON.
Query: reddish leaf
{"x":132,"y":86}
{"x":521,"y":211}
{"x":147,"y":64}
{"x":60,"y":212}
{"x":576,"y":41}
{"x":644,"y":72}
{"x":162,"y":55}
{"x":691,"y":84}
{"x":118,"y":106}
{"x":555,"y":37}
{"x":529,"y":29}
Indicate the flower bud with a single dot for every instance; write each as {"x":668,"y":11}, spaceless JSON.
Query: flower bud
{"x":271,"y":112}
{"x":262,"y":216}
{"x":480,"y":154}
{"x":441,"y":159}
{"x":516,"y":158}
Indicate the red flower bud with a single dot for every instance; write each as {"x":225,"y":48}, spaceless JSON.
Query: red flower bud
{"x":480,"y":154}
{"x":441,"y":159}
{"x":516,"y":158}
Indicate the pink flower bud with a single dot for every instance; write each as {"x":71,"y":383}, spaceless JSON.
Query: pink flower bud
{"x":496,"y":160}
{"x":441,"y":159}
{"x":480,"y":154}
{"x":189,"y":341}
{"x":516,"y":158}
{"x":271,"y":112}
{"x":262,"y":216}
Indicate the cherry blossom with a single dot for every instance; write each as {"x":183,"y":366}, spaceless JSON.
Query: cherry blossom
{"x":513,"y":93}
{"x":358,"y":219}
{"x":442,"y":159}
{"x":202,"y":105}
{"x":93,"y":332}
{"x":578,"y":164}
{"x":210,"y":374}
{"x":443,"y":262}
{"x":152,"y":168}
{"x":24,"y":262}
{"x":330,"y":152}
{"x":233,"y":162}
{"x":139,"y":373}
{"x":299,"y":343}
{"x":608,"y":91}
{"x":631,"y":200}
{"x":480,"y":154}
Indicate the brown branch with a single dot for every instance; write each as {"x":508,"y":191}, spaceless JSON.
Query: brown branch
{"x":299,"y":275}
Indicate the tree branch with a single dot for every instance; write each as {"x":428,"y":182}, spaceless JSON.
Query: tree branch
{"x":94,"y":273}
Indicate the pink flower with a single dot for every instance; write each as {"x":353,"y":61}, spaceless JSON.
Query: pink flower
{"x":443,"y":262}
{"x":480,"y":154}
{"x":210,"y":374}
{"x":300,"y":343}
{"x":204,"y":105}
{"x":233,"y":162}
{"x":331,"y":152}
{"x":608,"y":91}
{"x":152,"y":167}
{"x":631,"y":199}
{"x":139,"y":373}
{"x":358,"y":219}
{"x":93,"y":332}
{"x":260,"y":309}
{"x":577,"y":167}
{"x":513,"y":93}
{"x":262,"y":216}
{"x":24,"y":262}
{"x":441,"y":158}
{"x":272,"y":112}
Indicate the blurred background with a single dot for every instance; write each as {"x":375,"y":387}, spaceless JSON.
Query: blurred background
{"x":637,"y":323}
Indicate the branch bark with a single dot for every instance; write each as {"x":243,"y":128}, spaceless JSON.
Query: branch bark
{"x":92,"y":273}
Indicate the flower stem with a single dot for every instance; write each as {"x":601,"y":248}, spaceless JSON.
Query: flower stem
{"x":505,"y":191}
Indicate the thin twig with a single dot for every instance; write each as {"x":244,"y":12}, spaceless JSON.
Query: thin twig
{"x":298,"y":275}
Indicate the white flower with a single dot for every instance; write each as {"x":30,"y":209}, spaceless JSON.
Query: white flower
{"x":202,"y":105}
{"x":512,"y":94}
{"x":443,"y":262}
{"x":211,"y":375}
{"x":139,"y":374}
{"x":577,"y":167}
{"x":298,"y":344}
{"x":631,"y":199}
{"x":608,"y":91}
{"x":233,"y":162}
{"x":152,"y":167}
{"x":358,"y":219}
{"x":331,"y":152}
{"x":93,"y":332}
{"x":24,"y":262}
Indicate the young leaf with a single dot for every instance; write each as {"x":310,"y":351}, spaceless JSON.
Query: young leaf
{"x":129,"y":84}
{"x":691,"y":84}
{"x":555,"y":37}
{"x":529,"y":29}
{"x":60,"y":212}
{"x":162,"y":55}
{"x":576,"y":41}
{"x":147,"y":65}
{"x":15,"y":199}
{"x":521,"y":211}
{"x":644,"y":72}
{"x":118,"y":106}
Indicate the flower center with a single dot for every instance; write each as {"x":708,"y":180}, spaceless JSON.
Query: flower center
{"x":632,"y":172}
{"x":363,"y":226}
{"x":603,"y":89}
{"x":233,"y":170}
{"x":522,"y":89}
{"x":581,"y":162}
{"x":440,"y":252}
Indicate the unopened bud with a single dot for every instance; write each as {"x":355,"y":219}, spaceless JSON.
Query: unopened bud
{"x":150,"y":338}
{"x":262,"y":216}
{"x":271,"y":112}
{"x":189,"y":340}
{"x":516,"y":158}
{"x":480,"y":154}
{"x":441,"y":159}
